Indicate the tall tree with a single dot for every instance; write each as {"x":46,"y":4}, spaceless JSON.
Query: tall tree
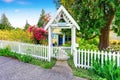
{"x":41,"y":21}
{"x":95,"y":17}
{"x":57,"y":3}
{"x":26,"y":25}
{"x":5,"y":24}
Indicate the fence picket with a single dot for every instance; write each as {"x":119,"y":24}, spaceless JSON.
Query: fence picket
{"x":82,"y":58}
{"x":19,"y":48}
{"x":79,"y":57}
{"x":114,"y":56}
{"x":118,"y":58}
{"x":109,"y":56}
{"x":102,"y":57}
{"x":85,"y":57}
{"x":91,"y":57}
{"x":88,"y":58}
{"x":105,"y":55}
{"x":95,"y":55}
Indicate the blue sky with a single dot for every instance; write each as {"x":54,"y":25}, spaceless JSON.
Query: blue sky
{"x":18,"y":11}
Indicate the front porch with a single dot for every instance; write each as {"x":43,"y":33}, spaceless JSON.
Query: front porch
{"x":61,"y":39}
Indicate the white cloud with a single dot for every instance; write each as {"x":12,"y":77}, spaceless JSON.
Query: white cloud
{"x":8,"y":1}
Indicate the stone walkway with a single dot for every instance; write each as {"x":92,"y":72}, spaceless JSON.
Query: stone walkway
{"x":11,"y":69}
{"x":63,"y":68}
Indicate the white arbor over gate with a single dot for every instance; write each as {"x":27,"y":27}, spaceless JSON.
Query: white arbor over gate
{"x":69,"y":23}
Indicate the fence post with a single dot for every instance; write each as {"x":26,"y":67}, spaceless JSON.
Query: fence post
{"x":1,"y":46}
{"x":19,"y":48}
{"x":118,"y":58}
{"x":75,"y":57}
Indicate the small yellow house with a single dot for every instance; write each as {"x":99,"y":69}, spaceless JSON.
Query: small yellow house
{"x":58,"y":38}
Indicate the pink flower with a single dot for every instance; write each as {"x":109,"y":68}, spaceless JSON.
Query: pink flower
{"x":31,"y":28}
{"x":38,"y":33}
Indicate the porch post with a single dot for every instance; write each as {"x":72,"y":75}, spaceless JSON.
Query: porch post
{"x":64,"y":38}
{"x":73,"y":35}
{"x":49,"y":43}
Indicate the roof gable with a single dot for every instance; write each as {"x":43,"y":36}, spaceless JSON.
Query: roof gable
{"x":67,"y":17}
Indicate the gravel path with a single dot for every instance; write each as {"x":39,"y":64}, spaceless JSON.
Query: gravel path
{"x":11,"y":69}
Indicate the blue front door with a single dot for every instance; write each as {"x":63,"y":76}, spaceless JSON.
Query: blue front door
{"x":60,"y":38}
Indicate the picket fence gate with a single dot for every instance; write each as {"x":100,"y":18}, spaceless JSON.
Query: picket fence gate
{"x":85,"y":58}
{"x":61,"y":53}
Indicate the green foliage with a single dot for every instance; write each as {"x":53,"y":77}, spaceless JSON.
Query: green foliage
{"x":82,"y":72}
{"x":41,"y":21}
{"x":67,"y":44}
{"x":66,"y":31}
{"x":108,"y":70}
{"x":26,"y":25}
{"x":7,"y":53}
{"x":44,"y":64}
{"x":95,"y":18}
{"x":24,"y":58}
{"x":88,"y":44}
{"x":15,"y":35}
{"x":5,"y":24}
{"x":27,"y":58}
{"x":92,"y":16}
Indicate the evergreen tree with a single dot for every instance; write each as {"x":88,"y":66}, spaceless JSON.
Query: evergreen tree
{"x":5,"y":24}
{"x":26,"y":25}
{"x":41,"y":21}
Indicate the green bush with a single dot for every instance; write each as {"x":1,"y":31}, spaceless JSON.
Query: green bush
{"x":6,"y":52}
{"x":43,"y":63}
{"x":67,"y":44}
{"x":15,"y":35}
{"x":88,"y":44}
{"x":108,"y":71}
{"x":27,"y":58}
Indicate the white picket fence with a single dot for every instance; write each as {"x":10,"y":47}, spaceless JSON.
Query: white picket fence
{"x":37,"y":51}
{"x":85,"y":58}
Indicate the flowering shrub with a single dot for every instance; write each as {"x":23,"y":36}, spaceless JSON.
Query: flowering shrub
{"x":38,"y":34}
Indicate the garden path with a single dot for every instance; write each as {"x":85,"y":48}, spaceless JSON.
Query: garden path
{"x":64,"y":69}
{"x":12,"y":69}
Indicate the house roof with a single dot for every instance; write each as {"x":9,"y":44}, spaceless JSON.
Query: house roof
{"x":67,"y":16}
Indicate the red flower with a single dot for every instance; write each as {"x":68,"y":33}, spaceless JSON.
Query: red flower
{"x":38,"y":33}
{"x":31,"y":28}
